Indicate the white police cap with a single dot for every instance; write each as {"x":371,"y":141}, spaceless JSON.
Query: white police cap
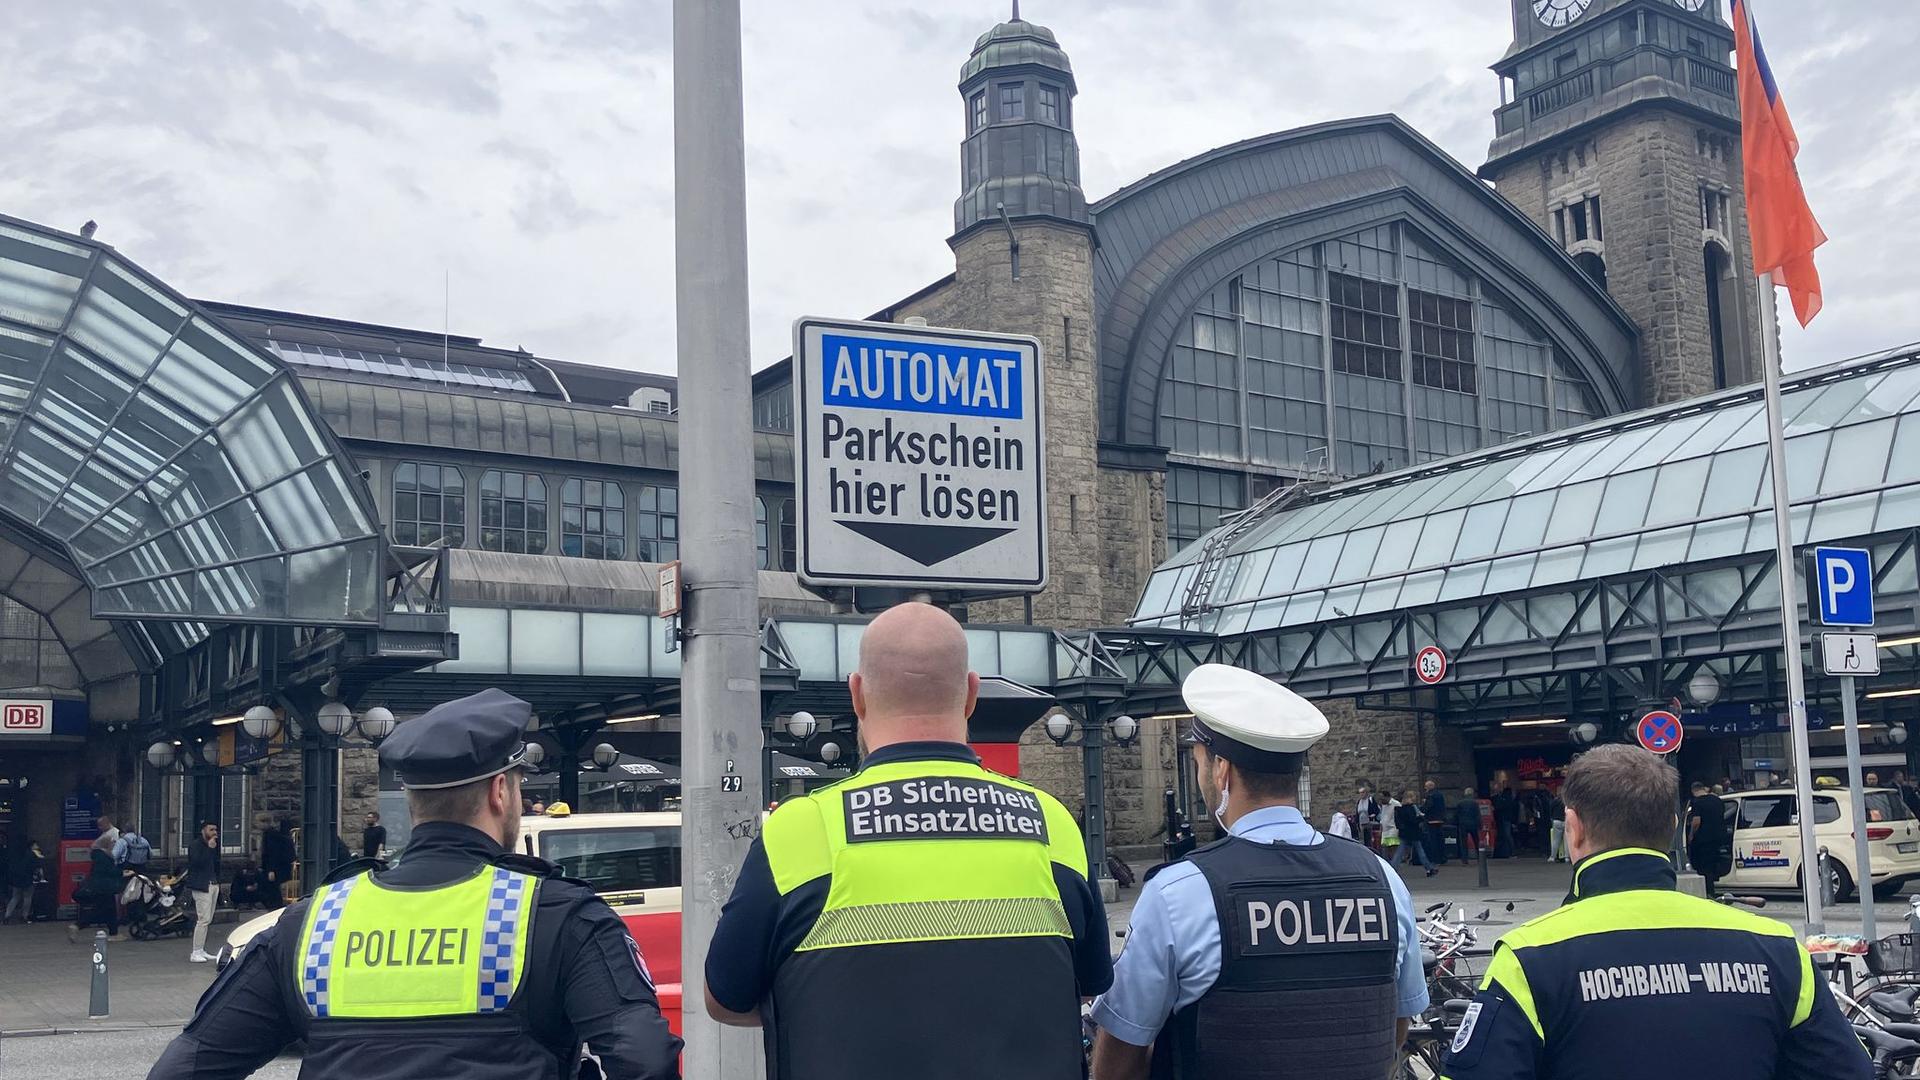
{"x":1251,"y":720}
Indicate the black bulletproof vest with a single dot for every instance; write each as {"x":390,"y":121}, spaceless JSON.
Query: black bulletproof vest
{"x":1309,"y":937}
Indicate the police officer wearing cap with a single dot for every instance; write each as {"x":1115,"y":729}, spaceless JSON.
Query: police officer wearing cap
{"x":463,"y":960}
{"x":1276,"y":952}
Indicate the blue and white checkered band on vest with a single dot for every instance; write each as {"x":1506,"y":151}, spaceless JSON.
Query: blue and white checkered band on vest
{"x":506,"y":906}
{"x":317,"y":966}
{"x":407,"y":953}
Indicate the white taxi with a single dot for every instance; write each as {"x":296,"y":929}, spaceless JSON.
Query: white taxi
{"x":1765,"y":831}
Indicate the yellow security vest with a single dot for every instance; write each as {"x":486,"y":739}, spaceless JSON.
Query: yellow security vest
{"x":941,"y":927}
{"x":368,"y":952}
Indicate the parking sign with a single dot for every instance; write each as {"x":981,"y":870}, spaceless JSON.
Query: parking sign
{"x":1843,"y":580}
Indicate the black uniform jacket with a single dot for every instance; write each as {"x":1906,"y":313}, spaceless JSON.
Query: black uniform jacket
{"x":1631,"y":980}
{"x":583,"y":983}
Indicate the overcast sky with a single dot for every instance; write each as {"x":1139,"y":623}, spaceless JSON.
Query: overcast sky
{"x":338,"y":157}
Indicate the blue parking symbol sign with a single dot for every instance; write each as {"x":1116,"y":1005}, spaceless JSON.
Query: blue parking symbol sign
{"x":1843,"y":578}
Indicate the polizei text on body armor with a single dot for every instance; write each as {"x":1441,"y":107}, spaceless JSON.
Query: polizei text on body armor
{"x":943,"y":807}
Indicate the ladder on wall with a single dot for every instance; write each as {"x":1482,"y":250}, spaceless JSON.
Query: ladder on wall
{"x":1219,"y":544}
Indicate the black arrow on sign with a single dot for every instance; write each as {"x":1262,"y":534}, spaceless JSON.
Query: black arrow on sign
{"x":925,"y":544}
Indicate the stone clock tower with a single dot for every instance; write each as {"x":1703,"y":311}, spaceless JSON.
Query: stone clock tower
{"x":1023,"y":263}
{"x":1619,"y":133}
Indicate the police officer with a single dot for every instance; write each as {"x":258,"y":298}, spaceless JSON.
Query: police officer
{"x":1630,"y":978}
{"x":1276,"y":951}
{"x":461,"y":961}
{"x":924,"y":918}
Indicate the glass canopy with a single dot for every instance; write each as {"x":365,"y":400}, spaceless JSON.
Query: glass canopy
{"x":179,"y":469}
{"x":1679,"y":484}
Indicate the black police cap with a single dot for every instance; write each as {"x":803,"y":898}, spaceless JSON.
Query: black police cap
{"x":460,"y":741}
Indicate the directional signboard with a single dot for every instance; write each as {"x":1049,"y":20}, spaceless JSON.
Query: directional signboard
{"x":920,"y":456}
{"x":1844,"y":580}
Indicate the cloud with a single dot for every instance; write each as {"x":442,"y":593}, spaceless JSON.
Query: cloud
{"x":345,"y":157}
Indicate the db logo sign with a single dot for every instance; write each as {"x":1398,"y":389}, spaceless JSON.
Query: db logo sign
{"x":26,"y":717}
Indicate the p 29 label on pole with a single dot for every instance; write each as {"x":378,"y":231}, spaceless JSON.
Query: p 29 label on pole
{"x":921,"y":457}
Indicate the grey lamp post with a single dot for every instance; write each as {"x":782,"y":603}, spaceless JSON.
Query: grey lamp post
{"x":1099,"y":724}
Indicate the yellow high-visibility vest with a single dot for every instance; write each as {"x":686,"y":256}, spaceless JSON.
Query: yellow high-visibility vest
{"x":368,"y":951}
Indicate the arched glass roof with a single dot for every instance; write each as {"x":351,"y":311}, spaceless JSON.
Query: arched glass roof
{"x":1681,"y":484}
{"x":179,"y":469}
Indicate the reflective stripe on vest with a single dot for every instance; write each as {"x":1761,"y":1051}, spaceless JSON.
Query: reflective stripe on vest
{"x":371,"y":952}
{"x":926,"y":851}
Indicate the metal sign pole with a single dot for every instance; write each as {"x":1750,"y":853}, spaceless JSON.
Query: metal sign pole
{"x":1856,"y":791}
{"x":1789,"y":609}
{"x":720,"y":739}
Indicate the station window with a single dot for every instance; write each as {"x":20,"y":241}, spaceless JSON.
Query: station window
{"x":1049,"y":104}
{"x":1013,"y":102}
{"x":1366,"y":327}
{"x":788,"y":533}
{"x":513,"y":512}
{"x":761,"y":533}
{"x":977,"y":111}
{"x":593,"y":519}
{"x":1442,"y":341}
{"x":773,"y":533}
{"x":429,"y":505}
{"x":657,"y":537}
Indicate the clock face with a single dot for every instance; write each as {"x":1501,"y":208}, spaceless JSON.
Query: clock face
{"x":1561,"y":12}
{"x":1691,"y":5}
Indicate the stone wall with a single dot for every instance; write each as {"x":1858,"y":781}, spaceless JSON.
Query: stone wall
{"x":1392,"y":751}
{"x":1648,"y":171}
{"x":1133,"y":532}
{"x":359,"y":792}
{"x":1051,"y":299}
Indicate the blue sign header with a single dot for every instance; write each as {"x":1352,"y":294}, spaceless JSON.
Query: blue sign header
{"x":955,"y":378}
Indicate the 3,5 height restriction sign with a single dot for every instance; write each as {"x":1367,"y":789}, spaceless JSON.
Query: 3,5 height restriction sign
{"x":921,"y":457}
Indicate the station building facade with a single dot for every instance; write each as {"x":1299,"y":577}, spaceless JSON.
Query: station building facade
{"x":1276,"y":315}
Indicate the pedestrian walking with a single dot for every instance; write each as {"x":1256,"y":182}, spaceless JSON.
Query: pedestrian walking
{"x":1202,"y":991}
{"x":1632,"y":978}
{"x":276,"y":863}
{"x":373,"y":839}
{"x":1340,"y":825}
{"x":1366,"y":813}
{"x":1408,"y":817}
{"x":1434,"y":832}
{"x":525,"y":966}
{"x":1556,"y":828}
{"x":202,"y":882}
{"x":1506,"y":809}
{"x":1390,"y":830}
{"x":25,"y":868}
{"x":1466,"y":820}
{"x":1707,"y":835}
{"x":97,"y":898}
{"x":946,"y":906}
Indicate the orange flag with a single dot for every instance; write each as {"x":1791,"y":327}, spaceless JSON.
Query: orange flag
{"x":1783,"y":228}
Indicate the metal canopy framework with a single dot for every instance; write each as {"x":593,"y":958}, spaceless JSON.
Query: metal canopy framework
{"x":1566,"y":575}
{"x":179,"y":470}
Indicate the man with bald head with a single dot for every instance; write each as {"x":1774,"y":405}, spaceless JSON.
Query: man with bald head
{"x":925,"y":917}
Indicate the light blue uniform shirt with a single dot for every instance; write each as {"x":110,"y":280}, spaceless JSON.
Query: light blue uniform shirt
{"x":1172,"y":955}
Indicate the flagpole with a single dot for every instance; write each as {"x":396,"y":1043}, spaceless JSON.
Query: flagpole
{"x":1790,"y":611}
